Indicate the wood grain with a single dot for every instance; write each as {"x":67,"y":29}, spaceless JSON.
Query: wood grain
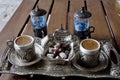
{"x":58,"y":15}
{"x":112,"y":8}
{"x":43,"y":4}
{"x":98,"y":20}
{"x":16,"y":23}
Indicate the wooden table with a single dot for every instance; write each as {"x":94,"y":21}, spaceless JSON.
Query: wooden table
{"x":104,"y":18}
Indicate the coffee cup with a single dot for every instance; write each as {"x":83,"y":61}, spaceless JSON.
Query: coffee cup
{"x":24,"y":47}
{"x":89,"y":49}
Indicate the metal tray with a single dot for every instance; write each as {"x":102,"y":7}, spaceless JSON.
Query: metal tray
{"x":109,"y":66}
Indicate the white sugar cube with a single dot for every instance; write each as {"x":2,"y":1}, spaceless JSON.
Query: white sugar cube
{"x":57,"y":57}
{"x":50,"y":56}
{"x":63,"y":55}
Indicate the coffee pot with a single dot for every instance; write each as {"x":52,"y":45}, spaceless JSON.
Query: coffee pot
{"x":61,"y":34}
{"x":82,"y":23}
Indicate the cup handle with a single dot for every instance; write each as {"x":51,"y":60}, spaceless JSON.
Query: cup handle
{"x":91,"y":29}
{"x":10,"y":43}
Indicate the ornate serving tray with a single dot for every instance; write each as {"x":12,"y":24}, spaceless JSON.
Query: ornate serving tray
{"x":109,"y":65}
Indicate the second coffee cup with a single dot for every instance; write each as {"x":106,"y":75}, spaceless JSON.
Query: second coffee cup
{"x":89,"y":49}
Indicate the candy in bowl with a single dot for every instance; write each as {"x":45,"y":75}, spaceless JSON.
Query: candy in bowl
{"x":59,"y":48}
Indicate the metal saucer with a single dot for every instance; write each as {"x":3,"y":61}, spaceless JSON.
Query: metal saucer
{"x":103,"y":63}
{"x":13,"y":59}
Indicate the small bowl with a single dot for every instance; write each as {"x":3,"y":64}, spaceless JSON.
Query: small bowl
{"x":61,"y":60}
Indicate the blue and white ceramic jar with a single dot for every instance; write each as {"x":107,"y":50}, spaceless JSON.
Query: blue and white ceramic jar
{"x":39,"y":22}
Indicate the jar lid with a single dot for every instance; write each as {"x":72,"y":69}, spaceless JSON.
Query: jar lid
{"x":83,"y":13}
{"x":38,"y":12}
{"x":60,"y":34}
